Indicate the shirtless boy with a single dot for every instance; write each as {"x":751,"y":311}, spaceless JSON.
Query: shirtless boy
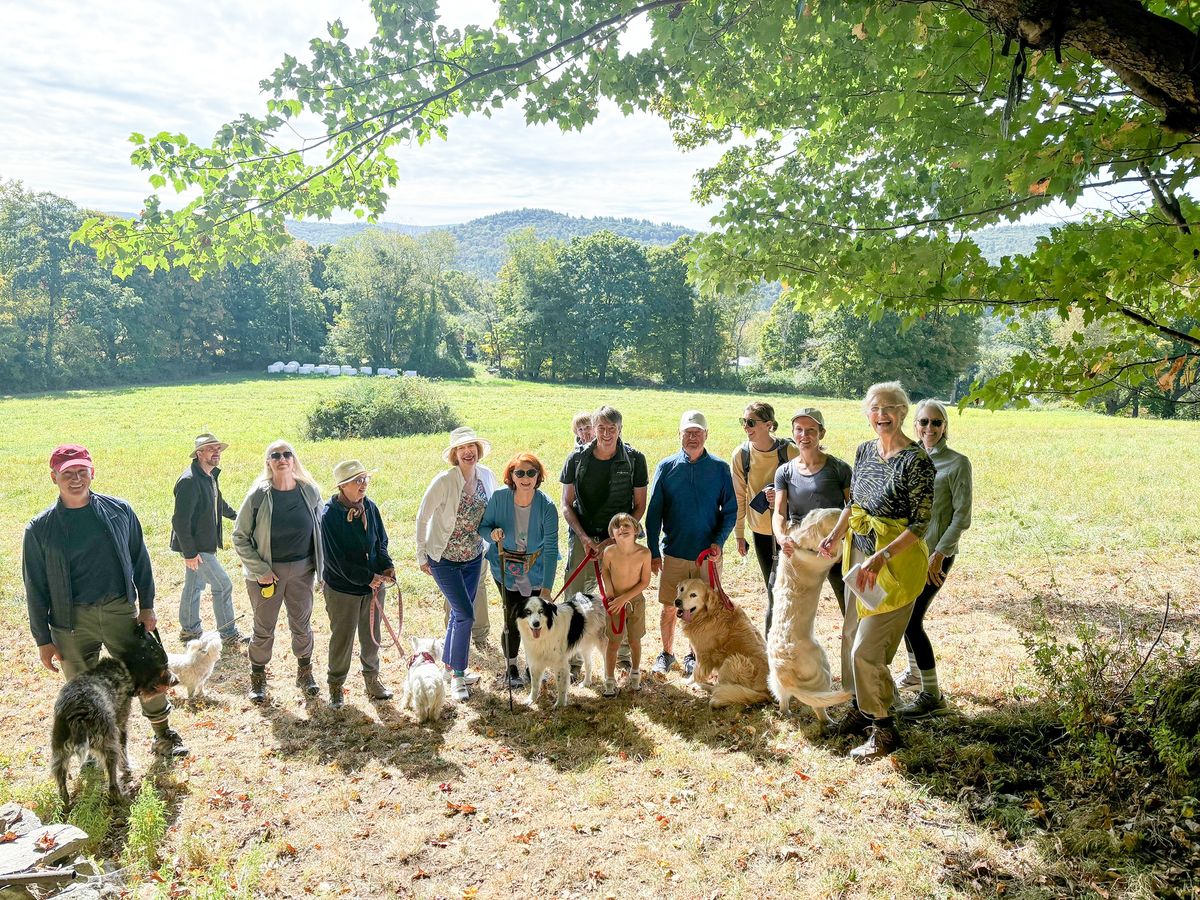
{"x":625,"y":570}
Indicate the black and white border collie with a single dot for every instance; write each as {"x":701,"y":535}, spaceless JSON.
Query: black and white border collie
{"x":553,"y":633}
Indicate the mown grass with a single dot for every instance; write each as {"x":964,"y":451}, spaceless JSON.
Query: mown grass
{"x":652,"y":795}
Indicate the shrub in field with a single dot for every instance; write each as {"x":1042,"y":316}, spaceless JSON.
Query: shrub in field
{"x":382,"y":408}
{"x":147,"y":828}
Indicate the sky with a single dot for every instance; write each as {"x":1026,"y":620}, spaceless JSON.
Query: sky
{"x":77,"y":78}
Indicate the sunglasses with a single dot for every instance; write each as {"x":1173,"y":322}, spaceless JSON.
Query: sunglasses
{"x":936,"y":423}
{"x":526,"y":473}
{"x":750,"y":423}
{"x":361,"y":481}
{"x":281,"y":454}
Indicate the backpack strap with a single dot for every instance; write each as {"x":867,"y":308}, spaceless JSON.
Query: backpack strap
{"x":744,"y":450}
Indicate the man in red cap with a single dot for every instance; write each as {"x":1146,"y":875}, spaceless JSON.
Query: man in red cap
{"x":87,"y":578}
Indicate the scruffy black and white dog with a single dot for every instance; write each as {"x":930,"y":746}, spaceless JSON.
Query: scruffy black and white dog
{"x":552,"y":633}
{"x":92,"y":711}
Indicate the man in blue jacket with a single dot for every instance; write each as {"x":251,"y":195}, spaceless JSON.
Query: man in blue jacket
{"x":693,"y":506}
{"x":88,"y":579}
{"x":196,"y":534}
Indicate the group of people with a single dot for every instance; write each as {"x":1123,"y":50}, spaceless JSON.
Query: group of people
{"x":905,"y":503}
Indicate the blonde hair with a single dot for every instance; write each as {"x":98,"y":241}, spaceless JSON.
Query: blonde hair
{"x":934,"y":403}
{"x":298,"y":471}
{"x":581,"y":418}
{"x":621,"y":519}
{"x":890,"y":389}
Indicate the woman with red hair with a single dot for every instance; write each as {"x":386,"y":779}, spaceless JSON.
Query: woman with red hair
{"x":523,"y":521}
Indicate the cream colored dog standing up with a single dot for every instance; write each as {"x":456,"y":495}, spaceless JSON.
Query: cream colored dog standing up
{"x":799,"y":669}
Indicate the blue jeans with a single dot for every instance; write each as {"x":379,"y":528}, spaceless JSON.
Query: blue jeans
{"x":458,"y":581}
{"x":212,"y":573}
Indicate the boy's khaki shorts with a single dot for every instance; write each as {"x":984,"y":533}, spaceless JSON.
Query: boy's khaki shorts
{"x":635,"y":620}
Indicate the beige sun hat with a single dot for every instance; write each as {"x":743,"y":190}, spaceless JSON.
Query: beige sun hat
{"x":348,"y":470}
{"x":809,"y":412}
{"x":693,"y":418}
{"x":460,"y":437}
{"x":203,"y":440}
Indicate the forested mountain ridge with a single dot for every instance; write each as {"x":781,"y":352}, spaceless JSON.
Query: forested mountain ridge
{"x":482,"y":242}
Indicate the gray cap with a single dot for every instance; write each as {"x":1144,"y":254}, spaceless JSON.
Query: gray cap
{"x":810,"y":412}
{"x":693,"y":418}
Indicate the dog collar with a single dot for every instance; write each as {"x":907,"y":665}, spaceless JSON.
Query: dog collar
{"x":423,"y":657}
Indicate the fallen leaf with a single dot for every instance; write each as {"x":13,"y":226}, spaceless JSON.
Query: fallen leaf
{"x":419,"y":874}
{"x":789,"y":852}
{"x":803,"y":776}
{"x":454,"y":809}
{"x":288,"y":850}
{"x":470,"y":892}
{"x":526,"y":837}
{"x":46,"y":842}
{"x":8,"y":837}
{"x":445,"y":787}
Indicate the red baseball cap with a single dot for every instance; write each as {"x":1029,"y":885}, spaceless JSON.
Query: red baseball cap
{"x":66,"y":456}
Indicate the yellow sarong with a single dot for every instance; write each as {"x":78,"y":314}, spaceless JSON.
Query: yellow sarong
{"x":902,"y":578}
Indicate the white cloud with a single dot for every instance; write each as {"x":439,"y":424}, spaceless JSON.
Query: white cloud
{"x":79,"y":78}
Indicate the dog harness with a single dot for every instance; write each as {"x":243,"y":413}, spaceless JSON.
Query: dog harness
{"x":421,"y":658}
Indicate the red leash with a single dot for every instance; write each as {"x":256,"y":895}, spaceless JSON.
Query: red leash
{"x":714,"y":578}
{"x":377,"y":605}
{"x":591,"y":557}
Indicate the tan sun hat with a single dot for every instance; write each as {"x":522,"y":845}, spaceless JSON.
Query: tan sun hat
{"x":203,"y":440}
{"x":348,"y":470}
{"x":460,"y":437}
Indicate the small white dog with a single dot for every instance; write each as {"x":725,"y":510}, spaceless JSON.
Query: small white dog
{"x":552,"y":633}
{"x":195,"y":664}
{"x":799,"y":668}
{"x":424,"y":690}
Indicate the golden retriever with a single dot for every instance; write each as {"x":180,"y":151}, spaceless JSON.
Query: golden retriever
{"x":799,"y":668}
{"x":726,"y":644}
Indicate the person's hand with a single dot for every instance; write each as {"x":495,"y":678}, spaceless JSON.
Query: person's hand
{"x":743,"y":547}
{"x":497,"y":535}
{"x":425,"y":568}
{"x":193,"y":563}
{"x":377,"y":581}
{"x":788,"y":546}
{"x":869,"y":571}
{"x":148,"y":619}
{"x":49,"y":654}
{"x":715,"y":554}
{"x":615,"y":606}
{"x":598,"y":546}
{"x":935,"y":575}
{"x":389,"y":575}
{"x":769,"y":490}
{"x":826,"y":547}
{"x":545,"y":593}
{"x":269,"y":578}
{"x":656,"y":566}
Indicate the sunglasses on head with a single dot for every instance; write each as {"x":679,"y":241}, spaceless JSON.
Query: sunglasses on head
{"x":525,"y":473}
{"x":750,"y":423}
{"x":281,"y":454}
{"x":936,"y":423}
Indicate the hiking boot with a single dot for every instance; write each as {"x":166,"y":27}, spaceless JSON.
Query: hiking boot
{"x":337,"y":695}
{"x":479,"y":644}
{"x":663,"y":663}
{"x":881,"y":741}
{"x":923,"y":707}
{"x":908,"y":681}
{"x":376,"y":689}
{"x":689,"y":664}
{"x":853,"y":723}
{"x":513,"y":679}
{"x":168,"y":743}
{"x":185,"y":636}
{"x":258,"y":684}
{"x":237,"y":638}
{"x":304,"y":677}
{"x":458,"y":688}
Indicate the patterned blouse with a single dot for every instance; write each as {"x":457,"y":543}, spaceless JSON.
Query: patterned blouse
{"x":896,"y":488}
{"x":464,"y":544}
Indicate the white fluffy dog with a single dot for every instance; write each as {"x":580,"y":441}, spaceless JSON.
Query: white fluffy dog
{"x":799,"y":669}
{"x":553,"y":633}
{"x":195,"y":664}
{"x":424,"y":689}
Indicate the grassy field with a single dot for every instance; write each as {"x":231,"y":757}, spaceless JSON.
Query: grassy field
{"x":652,"y":795}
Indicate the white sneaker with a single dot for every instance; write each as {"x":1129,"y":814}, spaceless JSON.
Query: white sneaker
{"x":470,"y":678}
{"x":908,"y":681}
{"x":458,"y":688}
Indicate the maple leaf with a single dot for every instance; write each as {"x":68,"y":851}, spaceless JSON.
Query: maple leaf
{"x":1038,"y":188}
{"x":454,"y":809}
{"x":46,"y":842}
{"x":8,"y":837}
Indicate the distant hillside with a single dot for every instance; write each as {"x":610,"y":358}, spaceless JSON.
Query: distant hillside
{"x":482,"y":245}
{"x":1009,"y":240}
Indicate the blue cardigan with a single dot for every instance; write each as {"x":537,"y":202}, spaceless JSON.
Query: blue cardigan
{"x":543,"y":534}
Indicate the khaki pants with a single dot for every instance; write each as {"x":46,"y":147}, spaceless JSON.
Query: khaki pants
{"x":350,"y":614}
{"x":111,"y":626}
{"x":675,"y":570}
{"x":482,"y":625}
{"x":868,"y":646}
{"x":293,"y":590}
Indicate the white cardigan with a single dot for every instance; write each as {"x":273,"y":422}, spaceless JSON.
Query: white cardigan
{"x":439,"y":508}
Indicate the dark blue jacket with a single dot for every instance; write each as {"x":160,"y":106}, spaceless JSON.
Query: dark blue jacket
{"x":692,"y":504}
{"x":47,"y":572}
{"x":353,"y":554}
{"x":195,"y":524}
